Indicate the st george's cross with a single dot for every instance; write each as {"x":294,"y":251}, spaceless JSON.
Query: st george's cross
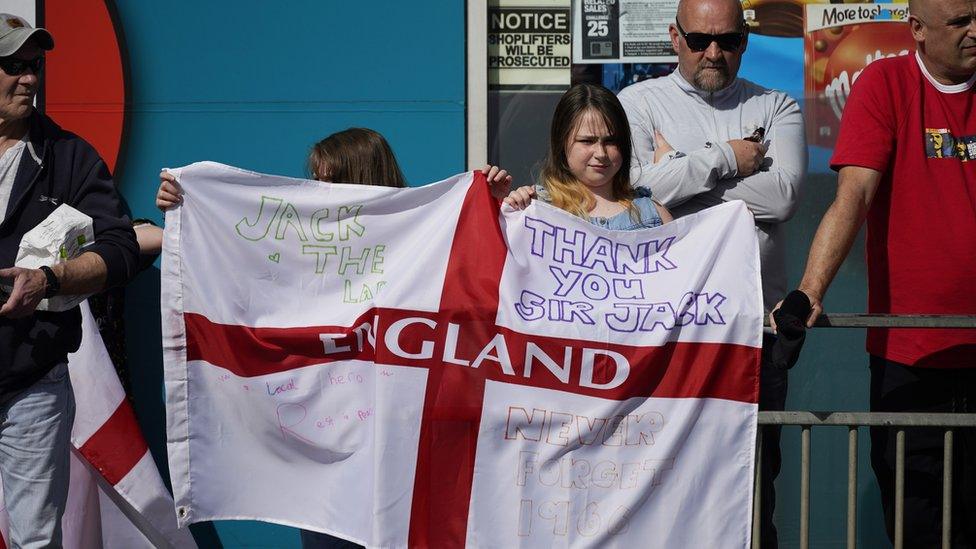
{"x":420,"y":367}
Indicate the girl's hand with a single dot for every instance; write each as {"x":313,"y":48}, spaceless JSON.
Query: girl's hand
{"x":169,"y":194}
{"x":498,"y":181}
{"x":521,"y":197}
{"x":661,"y":146}
{"x":665,"y":214}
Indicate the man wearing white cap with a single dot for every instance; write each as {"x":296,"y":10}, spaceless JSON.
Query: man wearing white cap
{"x":42,"y":167}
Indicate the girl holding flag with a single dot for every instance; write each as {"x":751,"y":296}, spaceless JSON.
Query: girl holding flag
{"x":587,"y":169}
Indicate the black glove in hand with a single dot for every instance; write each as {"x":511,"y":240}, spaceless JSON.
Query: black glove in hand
{"x":791,"y":325}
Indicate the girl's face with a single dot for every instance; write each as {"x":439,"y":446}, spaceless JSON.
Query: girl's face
{"x":591,"y":152}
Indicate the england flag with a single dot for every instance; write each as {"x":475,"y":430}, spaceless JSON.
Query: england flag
{"x":422,"y":367}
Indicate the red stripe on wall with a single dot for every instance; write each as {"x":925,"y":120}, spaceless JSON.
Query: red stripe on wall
{"x":117,"y":445}
{"x":84,"y":80}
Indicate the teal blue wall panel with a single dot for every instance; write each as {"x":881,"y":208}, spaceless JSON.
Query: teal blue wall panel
{"x":255,"y":84}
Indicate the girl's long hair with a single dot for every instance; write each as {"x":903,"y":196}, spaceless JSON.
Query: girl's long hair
{"x":356,"y":155}
{"x":567,"y":192}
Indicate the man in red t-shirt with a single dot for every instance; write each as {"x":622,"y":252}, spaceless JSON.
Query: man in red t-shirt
{"x":906,"y":157}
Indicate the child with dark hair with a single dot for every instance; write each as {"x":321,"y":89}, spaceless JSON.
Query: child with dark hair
{"x":356,"y":155}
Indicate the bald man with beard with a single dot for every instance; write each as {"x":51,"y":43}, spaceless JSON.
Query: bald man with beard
{"x":906,"y":157}
{"x":702,"y":137}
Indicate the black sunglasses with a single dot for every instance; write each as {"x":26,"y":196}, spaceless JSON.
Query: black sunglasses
{"x":699,"y":41}
{"x":15,"y":67}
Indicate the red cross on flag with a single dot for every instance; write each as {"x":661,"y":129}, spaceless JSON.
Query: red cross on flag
{"x":418,"y":367}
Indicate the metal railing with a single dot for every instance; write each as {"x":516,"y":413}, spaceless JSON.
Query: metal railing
{"x":866,"y":320}
{"x":854,"y":420}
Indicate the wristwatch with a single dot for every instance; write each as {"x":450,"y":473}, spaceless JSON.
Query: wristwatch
{"x":53,"y":284}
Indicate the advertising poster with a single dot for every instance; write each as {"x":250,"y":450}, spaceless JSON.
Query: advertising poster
{"x":623,"y":31}
{"x":528,"y":44}
{"x":839,"y":41}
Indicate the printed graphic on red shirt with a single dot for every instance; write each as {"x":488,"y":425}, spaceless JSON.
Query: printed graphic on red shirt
{"x":940,"y":143}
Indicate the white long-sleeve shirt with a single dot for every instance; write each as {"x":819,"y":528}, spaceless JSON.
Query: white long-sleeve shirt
{"x":702,"y":171}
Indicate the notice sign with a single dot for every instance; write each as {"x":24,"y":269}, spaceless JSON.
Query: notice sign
{"x":839,"y":41}
{"x":528,"y":45}
{"x":623,"y":31}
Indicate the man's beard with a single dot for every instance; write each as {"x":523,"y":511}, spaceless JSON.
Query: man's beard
{"x":711,"y":80}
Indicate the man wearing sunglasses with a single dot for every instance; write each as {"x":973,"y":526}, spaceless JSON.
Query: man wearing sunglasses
{"x":906,"y":163}
{"x":702,"y":136}
{"x":42,"y":167}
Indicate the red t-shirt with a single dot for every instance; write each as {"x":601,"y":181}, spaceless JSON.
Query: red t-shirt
{"x":921,"y":240}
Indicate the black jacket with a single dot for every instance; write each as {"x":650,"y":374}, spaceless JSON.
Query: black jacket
{"x":57,"y":167}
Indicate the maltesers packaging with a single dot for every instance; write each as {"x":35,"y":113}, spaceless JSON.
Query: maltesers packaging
{"x":839,"y":41}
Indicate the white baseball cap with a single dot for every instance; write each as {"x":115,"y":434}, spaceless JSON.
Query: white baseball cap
{"x":15,"y":31}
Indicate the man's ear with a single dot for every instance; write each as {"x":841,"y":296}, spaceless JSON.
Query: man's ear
{"x":918,"y":28}
{"x":675,"y":36}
